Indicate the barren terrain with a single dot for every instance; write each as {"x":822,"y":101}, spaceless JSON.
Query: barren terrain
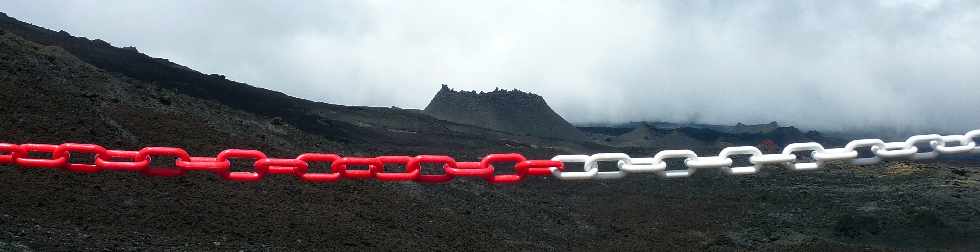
{"x":57,"y":88}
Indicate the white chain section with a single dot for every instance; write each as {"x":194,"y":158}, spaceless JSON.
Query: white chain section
{"x":941,"y":145}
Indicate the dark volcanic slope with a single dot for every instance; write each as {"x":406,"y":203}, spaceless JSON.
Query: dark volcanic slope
{"x":363,"y":127}
{"x":506,"y":110}
{"x":51,"y":95}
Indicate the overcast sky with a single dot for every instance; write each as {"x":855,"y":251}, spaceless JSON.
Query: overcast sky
{"x":816,"y":64}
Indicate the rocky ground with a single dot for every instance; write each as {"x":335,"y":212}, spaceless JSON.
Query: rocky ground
{"x":896,"y":206}
{"x":53,"y":95}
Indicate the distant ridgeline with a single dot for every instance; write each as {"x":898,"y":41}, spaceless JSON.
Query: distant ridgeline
{"x":505,"y":110}
{"x":681,"y":135}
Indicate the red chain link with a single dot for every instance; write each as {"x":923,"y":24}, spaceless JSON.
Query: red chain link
{"x":145,"y":153}
{"x":82,"y":148}
{"x":448,"y":164}
{"x":57,"y":160}
{"x":241,"y":154}
{"x":332,"y":176}
{"x":11,"y":150}
{"x":410,"y":172}
{"x":341,"y":166}
{"x":139,"y":161}
{"x":133,"y":166}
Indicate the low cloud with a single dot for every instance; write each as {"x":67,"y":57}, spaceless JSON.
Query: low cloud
{"x":815,"y":64}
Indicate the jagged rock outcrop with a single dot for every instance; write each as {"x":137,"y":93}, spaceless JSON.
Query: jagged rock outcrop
{"x":645,"y":135}
{"x":505,"y":110}
{"x":56,"y":88}
{"x":742,"y":128}
{"x":650,"y":136}
{"x":52,"y":92}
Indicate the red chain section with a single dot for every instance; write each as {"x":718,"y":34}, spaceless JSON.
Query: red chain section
{"x":139,"y":161}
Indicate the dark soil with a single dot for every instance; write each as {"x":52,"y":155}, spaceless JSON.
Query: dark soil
{"x":55,"y":88}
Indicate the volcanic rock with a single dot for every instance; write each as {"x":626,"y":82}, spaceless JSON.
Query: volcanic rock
{"x":57,"y":88}
{"x":505,"y":110}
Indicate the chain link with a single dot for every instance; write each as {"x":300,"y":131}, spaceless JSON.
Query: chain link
{"x":966,"y":145}
{"x":658,"y":161}
{"x":930,"y":139}
{"x":139,"y":161}
{"x":870,"y":143}
{"x":895,"y":150}
{"x":566,"y":175}
{"x":971,"y":139}
{"x":798,"y":147}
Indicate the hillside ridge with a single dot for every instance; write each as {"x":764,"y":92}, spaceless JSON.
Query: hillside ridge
{"x":506,"y":110}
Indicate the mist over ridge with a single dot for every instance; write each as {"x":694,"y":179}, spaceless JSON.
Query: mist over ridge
{"x":837,"y":65}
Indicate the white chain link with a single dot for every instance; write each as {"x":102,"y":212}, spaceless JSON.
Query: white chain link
{"x":971,"y":136}
{"x":965,"y":145}
{"x":920,"y":139}
{"x":941,"y":145}
{"x":895,"y":150}
{"x":811,"y":146}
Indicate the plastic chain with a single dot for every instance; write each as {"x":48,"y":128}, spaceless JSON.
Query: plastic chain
{"x":59,"y":157}
{"x":139,"y":161}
